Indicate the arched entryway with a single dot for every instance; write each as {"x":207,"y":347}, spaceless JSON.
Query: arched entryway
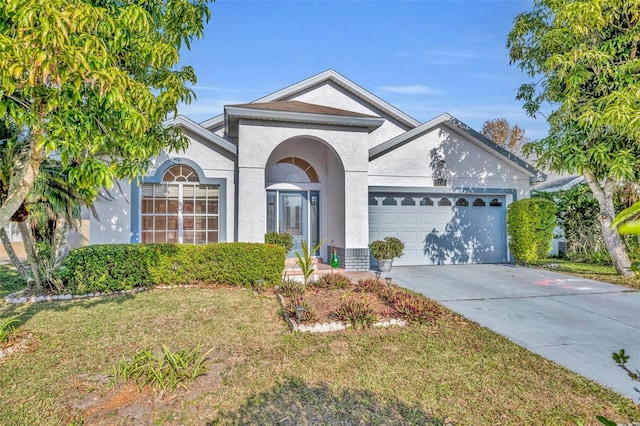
{"x":304,"y":177}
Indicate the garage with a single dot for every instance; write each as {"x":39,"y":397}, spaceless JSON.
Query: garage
{"x":441,"y":228}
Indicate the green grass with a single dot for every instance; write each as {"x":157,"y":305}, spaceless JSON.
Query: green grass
{"x":10,"y":281}
{"x":587,"y":270}
{"x":261,"y":373}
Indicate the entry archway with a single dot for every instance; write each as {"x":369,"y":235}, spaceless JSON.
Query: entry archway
{"x":305,"y":193}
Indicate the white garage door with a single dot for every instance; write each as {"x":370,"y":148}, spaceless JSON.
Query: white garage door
{"x":441,"y":228}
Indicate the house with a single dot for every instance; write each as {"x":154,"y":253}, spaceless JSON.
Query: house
{"x":328,"y":162}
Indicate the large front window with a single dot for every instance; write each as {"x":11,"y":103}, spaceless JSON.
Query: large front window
{"x":180,"y":209}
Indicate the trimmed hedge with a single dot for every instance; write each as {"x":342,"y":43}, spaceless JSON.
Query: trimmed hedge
{"x":285,"y":240}
{"x":113,"y":267}
{"x":530,"y":225}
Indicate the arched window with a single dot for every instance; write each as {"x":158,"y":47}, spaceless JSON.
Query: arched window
{"x":426,"y":201}
{"x":479,"y":202}
{"x":408,"y":201}
{"x":462,"y":202}
{"x":496,"y":202}
{"x":180,"y":173}
{"x":444,"y":202}
{"x":389,"y":201}
{"x":292,"y":170}
{"x":180,"y":209}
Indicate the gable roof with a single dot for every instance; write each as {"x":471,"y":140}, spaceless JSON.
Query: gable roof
{"x":319,"y":79}
{"x":459,"y":127}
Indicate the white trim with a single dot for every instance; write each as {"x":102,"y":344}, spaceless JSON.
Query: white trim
{"x":188,"y":124}
{"x":301,"y":117}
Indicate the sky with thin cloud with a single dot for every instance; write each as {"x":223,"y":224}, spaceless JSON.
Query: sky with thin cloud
{"x":424,"y":57}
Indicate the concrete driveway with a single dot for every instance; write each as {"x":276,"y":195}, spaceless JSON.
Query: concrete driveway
{"x":575,"y":322}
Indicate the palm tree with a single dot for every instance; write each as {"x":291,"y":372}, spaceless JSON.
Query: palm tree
{"x":52,"y":208}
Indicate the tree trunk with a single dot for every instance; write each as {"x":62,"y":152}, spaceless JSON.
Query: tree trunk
{"x":59,"y":245}
{"x":25,"y":171}
{"x":604,"y":195}
{"x":6,"y":242}
{"x":32,"y":256}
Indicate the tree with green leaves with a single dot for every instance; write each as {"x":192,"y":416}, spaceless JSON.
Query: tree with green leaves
{"x":90,"y":82}
{"x":504,"y":134}
{"x":583,"y":57}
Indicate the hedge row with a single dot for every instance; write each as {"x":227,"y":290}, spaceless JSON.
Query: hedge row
{"x":530,"y":225}
{"x":114,"y":267}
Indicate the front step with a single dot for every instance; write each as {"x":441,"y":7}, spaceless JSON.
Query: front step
{"x":291,"y":269}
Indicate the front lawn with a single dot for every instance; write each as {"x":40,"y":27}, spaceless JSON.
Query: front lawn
{"x":587,"y":270}
{"x":10,"y":281}
{"x":261,"y":373}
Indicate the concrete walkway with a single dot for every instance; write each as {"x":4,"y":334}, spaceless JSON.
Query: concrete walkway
{"x":577,"y":323}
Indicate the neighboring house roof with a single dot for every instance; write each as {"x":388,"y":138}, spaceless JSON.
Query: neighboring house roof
{"x":322,"y":78}
{"x":456,"y":125}
{"x":300,"y":112}
{"x":562,"y":183}
{"x":190,"y":125}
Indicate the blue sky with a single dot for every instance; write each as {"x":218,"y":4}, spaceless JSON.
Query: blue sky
{"x":424,"y":57}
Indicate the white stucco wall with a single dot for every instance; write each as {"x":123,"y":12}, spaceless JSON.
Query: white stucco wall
{"x":468,"y":165}
{"x":333,"y":225}
{"x":114,"y":217}
{"x":332,"y":95}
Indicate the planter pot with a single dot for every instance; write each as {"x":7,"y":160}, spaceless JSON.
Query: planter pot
{"x":385,"y":265}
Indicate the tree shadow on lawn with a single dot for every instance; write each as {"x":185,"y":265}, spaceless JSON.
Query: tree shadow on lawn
{"x":296,"y":403}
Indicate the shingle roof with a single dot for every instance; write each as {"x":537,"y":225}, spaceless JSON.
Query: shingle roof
{"x":302,"y":107}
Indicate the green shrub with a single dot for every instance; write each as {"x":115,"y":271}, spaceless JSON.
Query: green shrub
{"x":229,"y":263}
{"x":332,"y":282}
{"x":530,"y":225}
{"x":387,"y":249}
{"x":109,"y":267}
{"x":600,"y":257}
{"x":165,"y":372}
{"x":285,"y":240}
{"x":126,"y":266}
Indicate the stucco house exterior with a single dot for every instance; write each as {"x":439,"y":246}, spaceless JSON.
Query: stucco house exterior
{"x":326,"y":161}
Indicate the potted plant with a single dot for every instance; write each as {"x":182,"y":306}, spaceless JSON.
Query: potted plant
{"x":385,"y":251}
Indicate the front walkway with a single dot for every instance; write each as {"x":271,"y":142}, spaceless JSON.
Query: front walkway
{"x":576,"y":322}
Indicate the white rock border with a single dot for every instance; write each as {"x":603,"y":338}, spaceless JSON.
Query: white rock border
{"x":327,"y":327}
{"x":19,"y":297}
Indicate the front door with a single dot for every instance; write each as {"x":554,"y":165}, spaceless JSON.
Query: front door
{"x":293,"y":218}
{"x":295,"y":213}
